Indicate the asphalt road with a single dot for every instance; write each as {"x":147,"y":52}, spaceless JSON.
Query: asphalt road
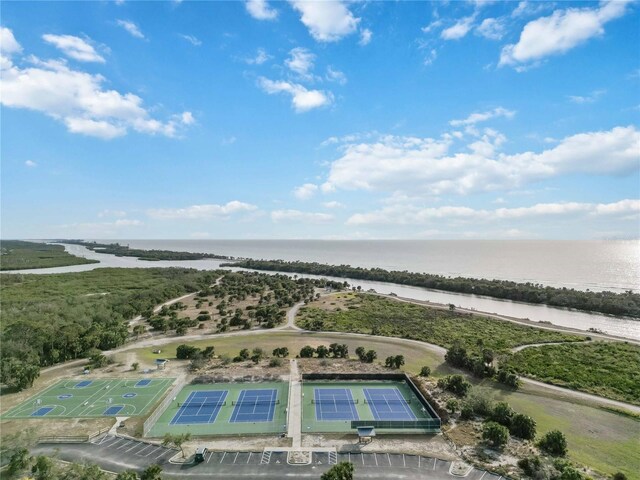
{"x":117,"y":454}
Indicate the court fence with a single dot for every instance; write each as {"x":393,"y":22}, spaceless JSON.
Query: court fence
{"x":72,"y":438}
{"x":157,"y":413}
{"x":431,"y":424}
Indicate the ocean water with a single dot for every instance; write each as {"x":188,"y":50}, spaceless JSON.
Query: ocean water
{"x":594,"y":265}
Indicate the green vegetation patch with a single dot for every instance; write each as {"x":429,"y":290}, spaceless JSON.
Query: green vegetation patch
{"x":18,"y":255}
{"x":381,"y":316}
{"x":608,"y":369}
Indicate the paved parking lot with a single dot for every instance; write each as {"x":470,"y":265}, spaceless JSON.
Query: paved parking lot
{"x":117,"y":454}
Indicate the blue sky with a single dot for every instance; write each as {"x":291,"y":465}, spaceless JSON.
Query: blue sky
{"x":465,"y":119}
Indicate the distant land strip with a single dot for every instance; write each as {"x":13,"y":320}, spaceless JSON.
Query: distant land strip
{"x":610,"y":303}
{"x":20,"y":255}
{"x":148,"y":255}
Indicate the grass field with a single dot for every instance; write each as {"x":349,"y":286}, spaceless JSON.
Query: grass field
{"x":335,"y":416}
{"x":228,"y":419}
{"x":92,"y":398}
{"x":608,"y":369}
{"x":19,"y":255}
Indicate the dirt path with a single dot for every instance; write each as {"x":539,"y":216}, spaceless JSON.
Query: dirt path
{"x":531,"y":345}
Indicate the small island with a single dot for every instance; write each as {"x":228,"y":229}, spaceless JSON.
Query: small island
{"x":20,"y":255}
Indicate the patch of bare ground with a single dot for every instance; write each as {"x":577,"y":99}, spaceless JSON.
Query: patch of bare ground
{"x":238,"y":444}
{"x":428,"y":445}
{"x":337,"y":365}
{"x":27,"y":431}
{"x":236,"y":370}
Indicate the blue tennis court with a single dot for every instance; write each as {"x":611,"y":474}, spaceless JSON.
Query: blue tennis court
{"x":388,"y":404}
{"x":334,"y":404}
{"x":200,"y":407}
{"x":143,"y":383}
{"x":42,"y":411}
{"x":255,"y":406}
{"x":82,"y":384}
{"x":113,"y":410}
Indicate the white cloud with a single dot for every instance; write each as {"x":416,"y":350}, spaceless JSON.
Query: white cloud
{"x":413,"y":215}
{"x":491,"y":28}
{"x":427,"y":166}
{"x":459,"y":30}
{"x":298,"y":216}
{"x":260,"y":10}
{"x":365,"y":36}
{"x":74,"y":47}
{"x":483,"y":116}
{"x":430,"y":57}
{"x":300,"y":61}
{"x":302,"y":99}
{"x":592,"y":97}
{"x":112,"y":213}
{"x":201,"y":211}
{"x":192,"y":40}
{"x":127,"y":223}
{"x":336,"y":76}
{"x":525,"y":8}
{"x":30,"y":164}
{"x":560,"y":32}
{"x":8,"y":43}
{"x":327,"y":21}
{"x":332,"y":204}
{"x":261,"y":57}
{"x":78,"y":100}
{"x":432,"y":26}
{"x":229,"y":140}
{"x":130,"y":27}
{"x":99,"y":229}
{"x":306,"y":191}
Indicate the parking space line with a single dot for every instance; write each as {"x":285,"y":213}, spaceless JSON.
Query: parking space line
{"x":362,"y":456}
{"x":250,"y":453}
{"x":419,"y":458}
{"x":163,"y":453}
{"x":136,"y":445}
{"x":435,"y":460}
{"x":404,"y":462}
{"x":223,"y":455}
{"x":152,"y":451}
{"x":139,"y":452}
{"x":209,"y":457}
{"x":236,"y":457}
{"x":375,"y":458}
{"x":127,"y":443}
{"x":389,"y":459}
{"x":113,"y":444}
{"x":349,"y":457}
{"x":483,"y":474}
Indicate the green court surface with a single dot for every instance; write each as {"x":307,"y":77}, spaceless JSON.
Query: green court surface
{"x":330,"y":406}
{"x":226,"y":409}
{"x":104,"y":397}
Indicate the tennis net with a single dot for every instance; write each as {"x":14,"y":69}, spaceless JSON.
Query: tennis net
{"x":331,"y":401}
{"x":202,"y":404}
{"x":256,"y":402}
{"x":392,"y":401}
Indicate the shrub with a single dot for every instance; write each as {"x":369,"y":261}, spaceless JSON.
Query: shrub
{"x":307,"y":352}
{"x":466,"y":413}
{"x":455,"y":384}
{"x":502,"y":413}
{"x":275,"y":362}
{"x":554,"y":443}
{"x":496,"y":434}
{"x":425,"y":371}
{"x":452,"y":405}
{"x":523,"y":426}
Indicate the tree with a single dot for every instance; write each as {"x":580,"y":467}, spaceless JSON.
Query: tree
{"x":244,"y":354}
{"x":42,"y":469}
{"x":452,"y":405}
{"x":152,"y":472}
{"x":340,"y":471}
{"x":19,"y":461}
{"x":176,"y":440}
{"x":554,"y":443}
{"x":257,"y":355}
{"x":281,"y":352}
{"x":322,"y":351}
{"x":360,"y":353}
{"x":135,"y":366}
{"x":502,"y":414}
{"x":619,"y":476}
{"x":456,"y":384}
{"x":186,"y":352}
{"x":425,"y":371}
{"x":307,"y":352}
{"x":339,"y":350}
{"x":496,"y":434}
{"x":523,"y":426}
{"x":394,"y":361}
{"x":127,"y":475}
{"x":17,"y":373}
{"x":370,"y":356}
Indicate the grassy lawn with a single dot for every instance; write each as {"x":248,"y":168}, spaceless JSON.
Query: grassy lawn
{"x":608,"y":369}
{"x":603,"y":440}
{"x":369,"y":313}
{"x":18,"y":255}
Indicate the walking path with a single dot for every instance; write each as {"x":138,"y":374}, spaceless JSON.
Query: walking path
{"x":295,"y":406}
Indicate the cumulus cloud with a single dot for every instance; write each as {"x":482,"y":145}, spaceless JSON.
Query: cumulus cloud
{"x":592,"y":97}
{"x":261,"y":57}
{"x":260,"y":10}
{"x":30,"y":164}
{"x":74,"y":47}
{"x":491,"y":28}
{"x":300,"y":61}
{"x":130,"y":27}
{"x":201,"y":211}
{"x":413,"y":215}
{"x":332,"y":204}
{"x":301,"y":217}
{"x":306,"y":191}
{"x":429,"y":166}
{"x":79,"y":100}
{"x":458,"y":30}
{"x":365,"y":36}
{"x":336,"y":76}
{"x":560,"y":32}
{"x":302,"y":99}
{"x":327,"y":21}
{"x":8,"y":43}
{"x":483,"y":116}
